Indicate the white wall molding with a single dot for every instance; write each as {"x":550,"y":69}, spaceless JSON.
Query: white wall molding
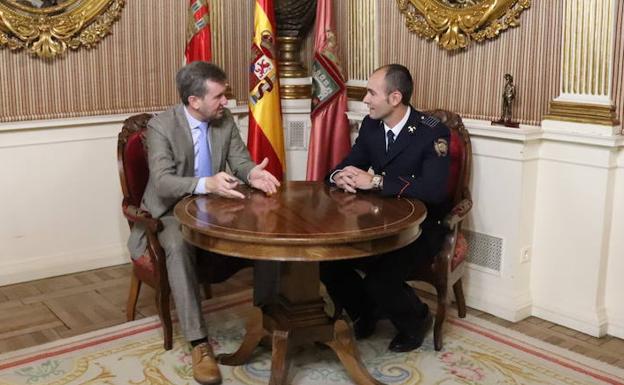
{"x":483,"y":128}
{"x":582,"y":129}
{"x":572,"y":231}
{"x":551,"y":130}
{"x":584,"y":98}
{"x":304,"y":81}
{"x":591,"y":321}
{"x":503,"y":188}
{"x":80,"y":122}
{"x":506,"y":301}
{"x":495,"y":147}
{"x":615,"y":326}
{"x":296,"y":106}
{"x":46,"y":135}
{"x":580,"y":136}
{"x":27,"y":269}
{"x":614,"y":285}
{"x":584,"y":155}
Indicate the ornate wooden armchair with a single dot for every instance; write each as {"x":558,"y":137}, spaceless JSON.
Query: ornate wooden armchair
{"x":151,"y":268}
{"x":448,"y":267}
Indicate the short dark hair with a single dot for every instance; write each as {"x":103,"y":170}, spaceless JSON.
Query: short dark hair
{"x":191,"y":79}
{"x":398,"y":78}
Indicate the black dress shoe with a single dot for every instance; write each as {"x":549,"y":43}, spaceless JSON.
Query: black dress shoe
{"x":364,"y":327}
{"x":405,"y":342}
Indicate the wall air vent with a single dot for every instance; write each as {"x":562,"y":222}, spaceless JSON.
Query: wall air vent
{"x":484,"y":250}
{"x":297,"y":135}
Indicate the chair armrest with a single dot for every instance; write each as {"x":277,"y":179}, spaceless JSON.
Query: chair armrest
{"x":458,"y":213}
{"x":138,"y":215}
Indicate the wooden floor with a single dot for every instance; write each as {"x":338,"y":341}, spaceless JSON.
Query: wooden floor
{"x":40,"y":311}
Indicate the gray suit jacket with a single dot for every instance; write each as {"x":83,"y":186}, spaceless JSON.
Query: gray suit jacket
{"x":171,"y":162}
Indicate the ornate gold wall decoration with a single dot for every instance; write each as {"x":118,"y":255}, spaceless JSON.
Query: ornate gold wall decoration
{"x":454,"y":23}
{"x":46,"y":28}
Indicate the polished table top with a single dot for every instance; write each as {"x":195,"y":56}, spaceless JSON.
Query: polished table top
{"x":302,"y":221}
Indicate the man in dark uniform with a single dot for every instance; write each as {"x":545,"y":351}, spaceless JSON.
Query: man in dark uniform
{"x":407,"y":152}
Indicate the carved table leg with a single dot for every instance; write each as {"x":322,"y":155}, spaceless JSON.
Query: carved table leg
{"x":280,"y":361}
{"x":255,"y":333}
{"x":299,"y":319}
{"x":344,"y":347}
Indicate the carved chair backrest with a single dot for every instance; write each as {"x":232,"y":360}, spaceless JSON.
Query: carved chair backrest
{"x":132,"y":159}
{"x":460,"y":150}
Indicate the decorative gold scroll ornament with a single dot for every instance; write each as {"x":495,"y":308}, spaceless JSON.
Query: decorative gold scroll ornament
{"x":454,"y":23}
{"x":46,"y":28}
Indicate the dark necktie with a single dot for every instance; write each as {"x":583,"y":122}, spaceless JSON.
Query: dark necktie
{"x":390,"y":136}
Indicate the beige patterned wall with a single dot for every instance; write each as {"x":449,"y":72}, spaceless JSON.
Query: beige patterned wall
{"x":133,"y":69}
{"x":471,"y":82}
{"x":342,"y":29}
{"x":362,"y":40}
{"x":237,"y":32}
{"x":130,"y":70}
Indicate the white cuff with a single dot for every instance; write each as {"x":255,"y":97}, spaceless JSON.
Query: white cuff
{"x":201,"y":186}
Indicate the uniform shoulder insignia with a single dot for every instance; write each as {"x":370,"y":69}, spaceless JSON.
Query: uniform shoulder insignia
{"x":429,"y":121}
{"x":441,"y":147}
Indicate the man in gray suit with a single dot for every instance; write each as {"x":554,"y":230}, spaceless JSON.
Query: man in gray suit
{"x":188,"y":148}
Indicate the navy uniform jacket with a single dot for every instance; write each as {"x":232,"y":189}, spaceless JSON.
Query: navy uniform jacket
{"x":417,"y":165}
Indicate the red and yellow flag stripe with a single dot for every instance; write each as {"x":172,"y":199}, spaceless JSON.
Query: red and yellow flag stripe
{"x":266,"y":133}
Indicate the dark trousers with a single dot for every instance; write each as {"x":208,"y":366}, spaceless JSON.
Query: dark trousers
{"x":374,"y":286}
{"x":219,"y":267}
{"x":266,"y":282}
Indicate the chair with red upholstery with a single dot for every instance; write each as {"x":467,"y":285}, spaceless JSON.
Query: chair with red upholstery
{"x":448,"y":266}
{"x":151,"y":268}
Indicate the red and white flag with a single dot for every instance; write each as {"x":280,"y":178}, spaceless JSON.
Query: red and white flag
{"x":330,"y":140}
{"x":198,"y":44}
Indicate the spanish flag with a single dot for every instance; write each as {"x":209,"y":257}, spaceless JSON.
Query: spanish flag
{"x":198,"y":44}
{"x":266,"y":134}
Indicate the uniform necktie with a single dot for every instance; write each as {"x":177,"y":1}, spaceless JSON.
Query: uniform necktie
{"x":390,"y":136}
{"x":204,"y":162}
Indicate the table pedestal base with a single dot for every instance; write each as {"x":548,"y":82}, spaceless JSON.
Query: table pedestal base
{"x":296,"y":320}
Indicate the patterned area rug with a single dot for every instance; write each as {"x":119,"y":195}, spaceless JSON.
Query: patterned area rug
{"x":475,"y":352}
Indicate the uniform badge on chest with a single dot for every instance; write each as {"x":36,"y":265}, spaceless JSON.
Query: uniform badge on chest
{"x":441,"y":147}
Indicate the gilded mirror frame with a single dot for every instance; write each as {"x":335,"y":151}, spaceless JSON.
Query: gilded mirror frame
{"x":47,"y":28}
{"x":453,"y":24}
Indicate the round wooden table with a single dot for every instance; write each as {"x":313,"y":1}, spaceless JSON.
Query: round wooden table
{"x":301,"y":225}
